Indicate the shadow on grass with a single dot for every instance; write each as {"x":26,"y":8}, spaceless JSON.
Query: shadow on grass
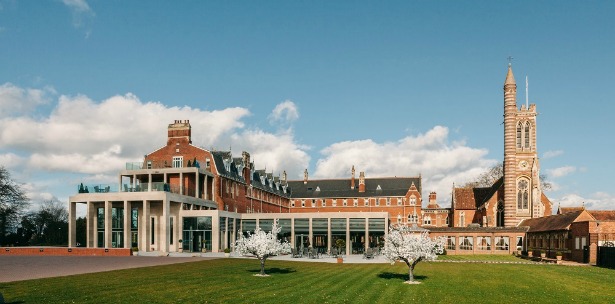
{"x":274,"y":270}
{"x":400,"y":276}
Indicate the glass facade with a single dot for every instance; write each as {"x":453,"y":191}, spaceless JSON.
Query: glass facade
{"x":338,"y":232}
{"x":197,"y":233}
{"x":357,"y":235}
{"x":302,"y":233}
{"x":376,"y":232}
{"x":319,"y":234}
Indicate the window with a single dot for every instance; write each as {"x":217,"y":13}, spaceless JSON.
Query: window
{"x":483,"y":242}
{"x":583,"y":242}
{"x":333,"y":202}
{"x":324,"y":203}
{"x":502,"y":242}
{"x":413,"y":200}
{"x":377,"y":202}
{"x":519,"y":243}
{"x":500,"y":215}
{"x":577,"y":243}
{"x":178,"y":161}
{"x":413,"y":218}
{"x":366,"y":202}
{"x":302,"y":203}
{"x":313,"y":203}
{"x":519,"y":135}
{"x":450,"y":243}
{"x":462,"y":219}
{"x":345,"y":202}
{"x":152,"y":231}
{"x":523,"y":194}
{"x":388,"y":201}
{"x":426,"y":220}
{"x":207,"y":162}
{"x":399,"y":201}
{"x":292,"y":204}
{"x":527,"y":134}
{"x":447,"y":221}
{"x":149,"y":164}
{"x":171,"y":231}
{"x":466,"y":242}
{"x":355,"y":202}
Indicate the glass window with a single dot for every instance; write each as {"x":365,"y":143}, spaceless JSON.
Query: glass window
{"x":501,"y":242}
{"x":450,"y":243}
{"x":519,"y":136}
{"x":483,"y":242}
{"x":466,"y":242}
{"x":178,"y":161}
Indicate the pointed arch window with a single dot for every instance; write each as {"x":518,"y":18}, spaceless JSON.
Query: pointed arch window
{"x":462,"y":219}
{"x":526,"y":134}
{"x":519,"y":136}
{"x":500,"y":214}
{"x":523,"y":194}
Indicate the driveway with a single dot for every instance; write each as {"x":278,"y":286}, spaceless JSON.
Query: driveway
{"x":18,"y":268}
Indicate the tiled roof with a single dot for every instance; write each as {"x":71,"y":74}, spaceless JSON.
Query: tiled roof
{"x":340,"y":188}
{"x":477,"y":229}
{"x":603,"y":215}
{"x":562,"y":210}
{"x":472,"y":198}
{"x":552,"y":222}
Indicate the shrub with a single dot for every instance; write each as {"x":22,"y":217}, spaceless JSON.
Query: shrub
{"x":227,"y":250}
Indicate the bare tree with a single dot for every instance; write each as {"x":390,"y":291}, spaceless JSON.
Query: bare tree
{"x":489,"y":177}
{"x":13,"y":203}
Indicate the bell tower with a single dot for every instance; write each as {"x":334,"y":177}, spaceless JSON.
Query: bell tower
{"x":522,"y":189}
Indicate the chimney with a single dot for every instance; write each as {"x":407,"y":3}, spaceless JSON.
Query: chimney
{"x":305,"y":176}
{"x":179,"y":132}
{"x":432,"y":198}
{"x":284,"y":177}
{"x":362,"y":182}
{"x":352,"y":179}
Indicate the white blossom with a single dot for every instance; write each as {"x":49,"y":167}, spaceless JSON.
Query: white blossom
{"x":411,"y":245}
{"x":262,"y":244}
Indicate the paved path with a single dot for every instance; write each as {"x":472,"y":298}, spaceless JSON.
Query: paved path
{"x":18,"y":268}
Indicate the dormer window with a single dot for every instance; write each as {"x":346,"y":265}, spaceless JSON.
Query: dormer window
{"x":378,"y":188}
{"x":317,"y":188}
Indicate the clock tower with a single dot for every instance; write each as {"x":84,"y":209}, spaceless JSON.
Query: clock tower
{"x":522,"y":188}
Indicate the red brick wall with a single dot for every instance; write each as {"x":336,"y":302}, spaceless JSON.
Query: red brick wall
{"x":64,"y":251}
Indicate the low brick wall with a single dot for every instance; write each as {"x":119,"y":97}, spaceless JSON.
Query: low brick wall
{"x":65,"y":251}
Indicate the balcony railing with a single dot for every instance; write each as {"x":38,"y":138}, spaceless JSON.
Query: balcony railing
{"x":96,"y":188}
{"x":156,"y":186}
{"x":150,"y":164}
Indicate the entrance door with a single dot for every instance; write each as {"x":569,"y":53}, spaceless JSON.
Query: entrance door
{"x":117,"y":239}
{"x":197,"y":241}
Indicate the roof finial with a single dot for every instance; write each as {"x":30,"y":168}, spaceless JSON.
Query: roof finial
{"x":510,"y":58}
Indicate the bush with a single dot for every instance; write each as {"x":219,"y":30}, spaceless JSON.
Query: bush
{"x":135,"y":249}
{"x":227,"y":250}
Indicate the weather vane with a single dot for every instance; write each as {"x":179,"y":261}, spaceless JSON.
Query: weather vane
{"x":510,"y":58}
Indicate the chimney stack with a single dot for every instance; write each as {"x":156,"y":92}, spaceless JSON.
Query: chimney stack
{"x":305,"y":176}
{"x":179,"y":132}
{"x":362,"y":182}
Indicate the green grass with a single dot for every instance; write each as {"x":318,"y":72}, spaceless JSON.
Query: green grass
{"x":482,"y":258}
{"x":232,"y":281}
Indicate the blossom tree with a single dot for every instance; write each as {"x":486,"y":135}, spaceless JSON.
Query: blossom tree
{"x":262,"y":244}
{"x":411,"y":245}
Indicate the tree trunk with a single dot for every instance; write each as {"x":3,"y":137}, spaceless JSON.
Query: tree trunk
{"x":263,"y":266}
{"x":411,"y":273}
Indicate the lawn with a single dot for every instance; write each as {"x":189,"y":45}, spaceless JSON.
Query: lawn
{"x":233,"y":281}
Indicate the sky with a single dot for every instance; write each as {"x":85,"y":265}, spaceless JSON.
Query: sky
{"x":395,"y":88}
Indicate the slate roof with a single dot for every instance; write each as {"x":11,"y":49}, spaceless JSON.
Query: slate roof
{"x":552,"y":222}
{"x":340,"y":188}
{"x":268,"y":183}
{"x":477,"y":229}
{"x":473,"y":198}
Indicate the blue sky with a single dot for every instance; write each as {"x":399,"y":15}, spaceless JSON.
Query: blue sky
{"x":396,"y":88}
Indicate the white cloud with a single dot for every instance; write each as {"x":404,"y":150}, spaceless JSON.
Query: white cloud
{"x":596,"y":201}
{"x":16,"y":100}
{"x":440,"y":162}
{"x":285,"y":112}
{"x":82,"y":14}
{"x":552,"y":154}
{"x":561,"y":171}
{"x":11,"y":160}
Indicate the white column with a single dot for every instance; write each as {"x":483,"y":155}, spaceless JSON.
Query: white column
{"x":329,"y":234}
{"x":366,"y":244}
{"x":90,"y":223}
{"x":149,"y":182}
{"x":108,"y":206}
{"x":348,"y":245}
{"x":127,"y":222}
{"x":181,"y":183}
{"x":292,"y":233}
{"x":72,"y":232}
{"x":310,"y":233}
{"x":215,"y":233}
{"x":198,"y":186}
{"x":206,"y":196}
{"x":165,"y":232}
{"x":145,"y":228}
